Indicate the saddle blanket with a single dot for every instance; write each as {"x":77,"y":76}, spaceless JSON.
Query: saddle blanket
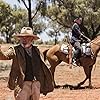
{"x":85,"y":49}
{"x":64,"y":48}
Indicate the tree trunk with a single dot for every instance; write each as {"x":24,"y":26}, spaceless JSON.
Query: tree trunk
{"x":56,"y":39}
{"x":29,"y":14}
{"x":8,"y":38}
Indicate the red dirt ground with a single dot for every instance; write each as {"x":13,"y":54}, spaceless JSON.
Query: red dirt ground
{"x":63,"y":75}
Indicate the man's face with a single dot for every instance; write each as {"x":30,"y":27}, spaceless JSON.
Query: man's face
{"x":26,"y":41}
{"x":79,"y":21}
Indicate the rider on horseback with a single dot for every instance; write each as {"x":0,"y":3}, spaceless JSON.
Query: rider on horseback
{"x":76,"y":37}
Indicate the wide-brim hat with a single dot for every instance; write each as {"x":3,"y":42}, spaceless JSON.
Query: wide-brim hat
{"x":27,"y":32}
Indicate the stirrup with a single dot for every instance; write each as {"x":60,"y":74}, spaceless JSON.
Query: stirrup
{"x":74,"y":62}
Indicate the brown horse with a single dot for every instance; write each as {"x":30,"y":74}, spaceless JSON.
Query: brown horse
{"x":55,"y":57}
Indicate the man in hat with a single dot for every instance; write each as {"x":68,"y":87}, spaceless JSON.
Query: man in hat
{"x":75,"y":40}
{"x":77,"y":36}
{"x":29,"y":75}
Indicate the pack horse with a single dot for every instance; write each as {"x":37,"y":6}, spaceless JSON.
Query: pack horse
{"x":55,"y":57}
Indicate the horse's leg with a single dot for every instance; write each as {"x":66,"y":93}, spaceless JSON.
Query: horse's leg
{"x":81,"y":83}
{"x":90,"y":69}
{"x":88,"y":76}
{"x":87,"y":73}
{"x":53,"y":67}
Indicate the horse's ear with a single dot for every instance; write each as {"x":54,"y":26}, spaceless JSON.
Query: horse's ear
{"x":44,"y":53}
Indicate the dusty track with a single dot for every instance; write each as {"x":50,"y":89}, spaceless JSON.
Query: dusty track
{"x":63,"y":75}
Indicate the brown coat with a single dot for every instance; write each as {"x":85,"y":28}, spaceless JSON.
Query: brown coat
{"x":17,"y":73}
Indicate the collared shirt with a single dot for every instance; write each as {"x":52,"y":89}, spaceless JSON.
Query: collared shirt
{"x":28,"y":50}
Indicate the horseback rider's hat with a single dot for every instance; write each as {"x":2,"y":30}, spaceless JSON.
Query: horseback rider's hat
{"x":27,"y":32}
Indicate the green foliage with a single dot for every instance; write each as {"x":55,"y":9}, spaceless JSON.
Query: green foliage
{"x":5,"y":14}
{"x":59,"y":13}
{"x":64,"y":11}
{"x":12,"y":19}
{"x":20,"y":18}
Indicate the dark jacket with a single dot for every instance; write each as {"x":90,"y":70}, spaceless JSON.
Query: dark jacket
{"x":18,"y":68}
{"x":75,"y":33}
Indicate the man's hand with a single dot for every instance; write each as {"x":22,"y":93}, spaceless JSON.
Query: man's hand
{"x":89,"y":40}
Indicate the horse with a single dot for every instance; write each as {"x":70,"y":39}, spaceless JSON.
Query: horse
{"x":55,"y":57}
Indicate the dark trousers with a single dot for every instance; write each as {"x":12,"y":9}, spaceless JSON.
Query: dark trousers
{"x":77,"y":46}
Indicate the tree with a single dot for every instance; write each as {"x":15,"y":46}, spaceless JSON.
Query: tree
{"x":54,"y":30}
{"x":64,"y":11}
{"x":28,"y":7}
{"x":33,"y":18}
{"x":5,"y":20}
{"x":10,"y":19}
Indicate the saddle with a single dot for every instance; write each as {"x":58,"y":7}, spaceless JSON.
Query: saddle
{"x":86,"y":51}
{"x":64,"y":48}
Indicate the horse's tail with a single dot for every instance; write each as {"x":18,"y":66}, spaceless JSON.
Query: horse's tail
{"x":44,"y":53}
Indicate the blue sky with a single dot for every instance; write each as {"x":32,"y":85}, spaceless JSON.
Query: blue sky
{"x":43,"y":36}
{"x":13,"y":2}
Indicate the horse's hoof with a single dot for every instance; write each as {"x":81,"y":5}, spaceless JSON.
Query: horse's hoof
{"x":77,"y":86}
{"x":90,"y":87}
{"x":57,"y":86}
